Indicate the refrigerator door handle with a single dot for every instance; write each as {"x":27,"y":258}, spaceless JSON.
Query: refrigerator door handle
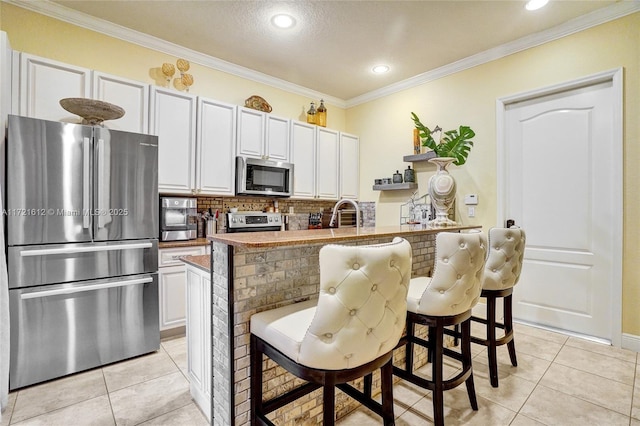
{"x":70,"y":250}
{"x":86,"y":184}
{"x":82,"y":289}
{"x":100,"y":187}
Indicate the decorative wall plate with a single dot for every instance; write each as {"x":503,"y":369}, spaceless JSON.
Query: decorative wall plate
{"x":92,"y":111}
{"x":256,"y":102}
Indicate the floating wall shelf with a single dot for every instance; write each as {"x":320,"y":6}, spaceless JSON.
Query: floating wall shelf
{"x":419,"y":157}
{"x":395,"y":186}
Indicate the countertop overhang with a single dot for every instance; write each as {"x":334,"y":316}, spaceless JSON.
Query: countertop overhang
{"x":332,"y":235}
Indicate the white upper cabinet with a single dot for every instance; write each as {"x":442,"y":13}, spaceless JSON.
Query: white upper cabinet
{"x":173,"y":120}
{"x":43,"y":82}
{"x":303,"y":156}
{"x":261,"y":135}
{"x":314,"y":153}
{"x":327,"y":163}
{"x":215,"y":156}
{"x":349,"y":166}
{"x":132,"y":96}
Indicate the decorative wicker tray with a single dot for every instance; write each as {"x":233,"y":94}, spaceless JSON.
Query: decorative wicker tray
{"x":92,"y":111}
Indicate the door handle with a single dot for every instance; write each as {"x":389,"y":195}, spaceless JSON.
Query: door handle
{"x":100,"y":186}
{"x":84,"y":249}
{"x":73,"y":290}
{"x":86,"y":184}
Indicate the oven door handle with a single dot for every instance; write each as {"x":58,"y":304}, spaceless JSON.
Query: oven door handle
{"x":82,"y":289}
{"x":71,"y":250}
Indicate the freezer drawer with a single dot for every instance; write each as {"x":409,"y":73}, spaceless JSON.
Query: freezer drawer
{"x":60,"y":263}
{"x":62,"y":329}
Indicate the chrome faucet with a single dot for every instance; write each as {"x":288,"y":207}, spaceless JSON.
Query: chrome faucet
{"x":332,"y":222}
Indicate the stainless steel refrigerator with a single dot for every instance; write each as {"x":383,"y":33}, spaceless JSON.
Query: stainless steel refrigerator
{"x":82,"y":247}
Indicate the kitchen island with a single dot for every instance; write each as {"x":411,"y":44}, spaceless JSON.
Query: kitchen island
{"x":257,"y":271}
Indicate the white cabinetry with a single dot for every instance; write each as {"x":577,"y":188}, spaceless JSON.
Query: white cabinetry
{"x":132,"y":96}
{"x":43,"y":82}
{"x":261,"y":135}
{"x":349,"y":166}
{"x":173,"y":120}
{"x":171,"y":274}
{"x":215,"y":154}
{"x":314,"y":153}
{"x":199,"y":336}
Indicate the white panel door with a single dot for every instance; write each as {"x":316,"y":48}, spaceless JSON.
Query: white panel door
{"x":303,"y":157}
{"x":277,"y":138}
{"x":173,"y":120}
{"x":132,"y":96}
{"x":349,"y":166}
{"x":327,"y":163}
{"x":215,"y":163}
{"x":171,"y":289}
{"x":43,"y":82}
{"x":560,"y":184}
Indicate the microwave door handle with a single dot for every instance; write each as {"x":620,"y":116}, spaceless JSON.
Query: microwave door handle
{"x":83,"y":289}
{"x":86,"y":184}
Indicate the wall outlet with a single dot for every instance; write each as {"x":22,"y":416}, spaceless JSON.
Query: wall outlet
{"x":471,"y":199}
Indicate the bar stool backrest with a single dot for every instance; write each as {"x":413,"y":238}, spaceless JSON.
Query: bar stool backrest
{"x":457,"y":279}
{"x":504,"y":262}
{"x":362,"y":306}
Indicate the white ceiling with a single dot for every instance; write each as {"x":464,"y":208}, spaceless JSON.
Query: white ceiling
{"x":335,"y":44}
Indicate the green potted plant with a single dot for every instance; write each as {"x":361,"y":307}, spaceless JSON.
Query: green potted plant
{"x":453,"y":143}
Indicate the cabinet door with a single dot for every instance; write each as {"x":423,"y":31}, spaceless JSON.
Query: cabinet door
{"x":132,"y":96}
{"x":327,"y":163}
{"x":172,"y":296}
{"x":277,"y":138}
{"x":349,"y":166}
{"x":303,"y":154}
{"x":44,"y":82}
{"x":215,"y":158}
{"x":173,"y":120}
{"x":251,"y":132}
{"x":199,"y":337}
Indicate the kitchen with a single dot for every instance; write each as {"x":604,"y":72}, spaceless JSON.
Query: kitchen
{"x":386,"y":142}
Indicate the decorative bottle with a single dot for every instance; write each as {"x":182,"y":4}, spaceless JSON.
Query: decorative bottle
{"x":311,"y":114}
{"x":397,"y":177}
{"x":409,"y":175}
{"x":321,"y":116}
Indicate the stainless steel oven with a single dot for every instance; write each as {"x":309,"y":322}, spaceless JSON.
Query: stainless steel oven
{"x":178,"y":218}
{"x":254,"y":222}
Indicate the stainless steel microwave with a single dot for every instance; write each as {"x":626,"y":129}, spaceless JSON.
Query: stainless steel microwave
{"x":263,"y":177}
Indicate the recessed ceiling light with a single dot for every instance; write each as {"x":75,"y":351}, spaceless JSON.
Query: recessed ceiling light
{"x":283,"y":21}
{"x":536,"y":4}
{"x":380,"y":69}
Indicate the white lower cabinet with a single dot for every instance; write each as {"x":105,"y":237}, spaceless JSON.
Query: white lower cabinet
{"x":171,"y":278}
{"x":199,"y":336}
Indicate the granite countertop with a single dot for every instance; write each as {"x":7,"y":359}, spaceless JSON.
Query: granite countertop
{"x":188,"y":243}
{"x":202,"y":261}
{"x":317,"y":236}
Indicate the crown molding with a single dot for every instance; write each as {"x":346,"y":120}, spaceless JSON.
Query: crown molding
{"x":62,"y":13}
{"x":615,"y":11}
{"x":65,"y":14}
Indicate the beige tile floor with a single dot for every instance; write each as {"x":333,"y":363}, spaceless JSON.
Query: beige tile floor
{"x":559,"y":380}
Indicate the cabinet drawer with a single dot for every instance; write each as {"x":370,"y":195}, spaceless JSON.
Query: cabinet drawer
{"x":171,"y":256}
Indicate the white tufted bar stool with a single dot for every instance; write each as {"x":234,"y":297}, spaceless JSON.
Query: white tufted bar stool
{"x":444,"y":300}
{"x":349,"y":332}
{"x":501,"y":274}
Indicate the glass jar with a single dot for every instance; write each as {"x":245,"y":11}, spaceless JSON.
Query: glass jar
{"x":321,"y":114}
{"x":409,"y":175}
{"x":311,"y":114}
{"x":397,"y":177}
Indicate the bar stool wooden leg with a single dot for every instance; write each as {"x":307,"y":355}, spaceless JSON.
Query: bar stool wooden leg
{"x":466,"y":357}
{"x":437,"y":375}
{"x":491,"y":337}
{"x":329,"y":403}
{"x":256,"y":379}
{"x":411,"y":329}
{"x":387,"y":393}
{"x":508,"y":328}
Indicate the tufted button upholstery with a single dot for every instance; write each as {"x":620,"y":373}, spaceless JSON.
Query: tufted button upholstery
{"x":504,"y":262}
{"x":456,"y":283}
{"x":360,"y":311}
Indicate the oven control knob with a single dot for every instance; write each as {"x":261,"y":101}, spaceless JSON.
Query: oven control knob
{"x":233,"y":220}
{"x":270,"y":219}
